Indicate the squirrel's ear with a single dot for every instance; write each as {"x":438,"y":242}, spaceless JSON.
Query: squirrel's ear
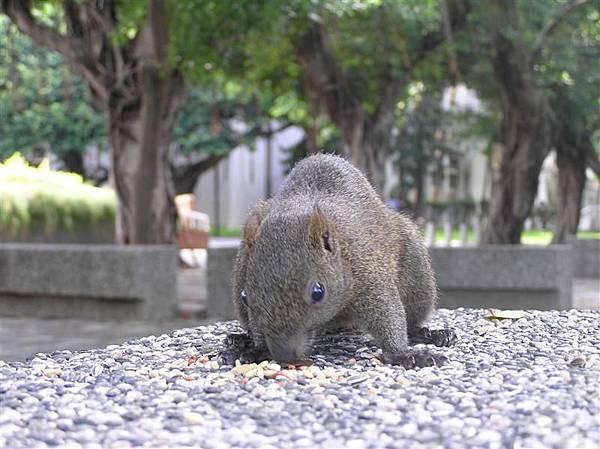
{"x":255,"y":218}
{"x":321,"y":232}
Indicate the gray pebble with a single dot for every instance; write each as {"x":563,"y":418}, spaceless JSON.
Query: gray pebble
{"x":525,"y":383}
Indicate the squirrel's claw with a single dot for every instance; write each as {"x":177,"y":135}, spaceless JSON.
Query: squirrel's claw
{"x":237,"y":345}
{"x":239,"y":341}
{"x":255,"y":355}
{"x":415,"y":359}
{"x":241,"y":346}
{"x":437,"y":337}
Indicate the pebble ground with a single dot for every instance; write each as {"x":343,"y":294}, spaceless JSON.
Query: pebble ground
{"x":526,"y":383}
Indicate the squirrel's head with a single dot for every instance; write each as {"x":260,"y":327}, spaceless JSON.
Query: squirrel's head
{"x":294,"y":278}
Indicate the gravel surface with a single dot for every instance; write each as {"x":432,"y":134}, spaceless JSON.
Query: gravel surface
{"x":531,"y":382}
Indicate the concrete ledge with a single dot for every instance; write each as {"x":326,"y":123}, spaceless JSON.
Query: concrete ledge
{"x":586,"y":258}
{"x":88,"y":281}
{"x":505,"y":276}
{"x":498,"y":276}
{"x":220,"y":261}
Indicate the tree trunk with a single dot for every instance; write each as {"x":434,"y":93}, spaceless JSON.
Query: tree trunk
{"x":141,"y":127}
{"x":365,"y":147}
{"x":420,"y":187}
{"x":571,"y":182}
{"x":574,"y":153}
{"x":311,"y":133}
{"x":527,"y":121}
{"x":525,"y":135}
{"x":73,"y":161}
{"x":140,"y":143}
{"x":525,"y":139}
{"x":139,"y":94}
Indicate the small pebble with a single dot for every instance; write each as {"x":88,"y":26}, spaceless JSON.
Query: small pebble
{"x":525,"y":383}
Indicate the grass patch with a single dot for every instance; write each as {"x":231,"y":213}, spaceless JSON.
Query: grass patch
{"x":536,"y":237}
{"x":439,"y":235}
{"x":589,"y":235}
{"x":225,"y":232}
{"x":531,"y":237}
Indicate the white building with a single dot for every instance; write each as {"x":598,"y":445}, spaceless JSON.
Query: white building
{"x":231,"y":188}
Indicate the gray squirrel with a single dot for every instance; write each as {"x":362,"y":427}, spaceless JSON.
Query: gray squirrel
{"x":326,"y":253}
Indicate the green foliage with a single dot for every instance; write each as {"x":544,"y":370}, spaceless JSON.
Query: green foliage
{"x":570,"y":56}
{"x":42,"y":102}
{"x":131,"y":16}
{"x":207,"y":122}
{"x":36,"y":198}
{"x":570,"y":73}
{"x":254,"y":42}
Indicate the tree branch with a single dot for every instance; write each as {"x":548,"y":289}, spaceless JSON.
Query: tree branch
{"x":551,"y":27}
{"x":19,"y":12}
{"x":324,"y":76}
{"x":185,"y":177}
{"x":73,"y":19}
{"x":455,"y":17}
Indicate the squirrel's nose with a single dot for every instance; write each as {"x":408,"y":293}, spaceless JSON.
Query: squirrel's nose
{"x":285,"y":349}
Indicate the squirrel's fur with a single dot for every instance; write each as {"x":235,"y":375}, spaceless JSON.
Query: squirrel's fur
{"x":328,"y":225}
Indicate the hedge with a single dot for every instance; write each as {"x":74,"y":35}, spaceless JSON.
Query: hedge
{"x":34,"y":199}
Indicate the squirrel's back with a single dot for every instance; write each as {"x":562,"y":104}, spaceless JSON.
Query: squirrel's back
{"x":326,"y":174}
{"x":324,"y":177}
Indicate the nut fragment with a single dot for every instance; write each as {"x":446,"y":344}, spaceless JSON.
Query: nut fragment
{"x":53,"y":372}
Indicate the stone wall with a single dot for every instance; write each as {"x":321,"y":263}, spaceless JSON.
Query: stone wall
{"x":498,"y":276}
{"x":586,"y":258}
{"x":88,"y":281}
{"x":220,"y":266}
{"x":505,"y":276}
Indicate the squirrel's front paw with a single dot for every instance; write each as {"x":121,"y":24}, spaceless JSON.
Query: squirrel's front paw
{"x":437,"y":337}
{"x":241,"y":346}
{"x":410,"y":359}
{"x":239,"y":341}
{"x":255,"y":355}
{"x":238,"y":346}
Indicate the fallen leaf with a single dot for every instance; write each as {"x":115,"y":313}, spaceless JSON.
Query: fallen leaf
{"x":495,"y":314}
{"x":577,"y":362}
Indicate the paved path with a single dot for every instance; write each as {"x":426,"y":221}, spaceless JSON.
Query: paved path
{"x":21,"y":338}
{"x":527,"y":383}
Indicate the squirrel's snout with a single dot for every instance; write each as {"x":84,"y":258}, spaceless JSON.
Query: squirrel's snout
{"x":286,"y":349}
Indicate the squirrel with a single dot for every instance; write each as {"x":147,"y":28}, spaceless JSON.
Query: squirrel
{"x":325,"y":253}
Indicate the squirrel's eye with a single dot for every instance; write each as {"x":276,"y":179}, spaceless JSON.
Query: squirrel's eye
{"x":243,"y":296}
{"x":318,"y":292}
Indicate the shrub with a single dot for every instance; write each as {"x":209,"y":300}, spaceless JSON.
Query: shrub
{"x":38,"y":199}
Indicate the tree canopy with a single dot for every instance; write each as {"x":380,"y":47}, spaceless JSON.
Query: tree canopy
{"x":43,"y":101}
{"x":345,"y":71}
